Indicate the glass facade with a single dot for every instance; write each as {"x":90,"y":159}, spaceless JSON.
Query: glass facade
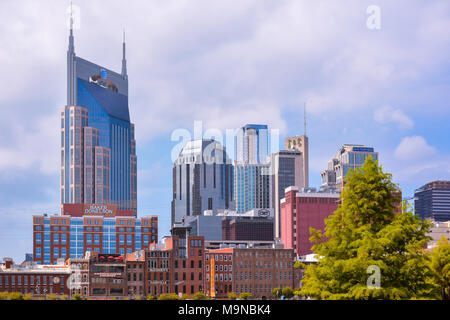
{"x":202,"y":180}
{"x":348,"y":157}
{"x":98,"y":149}
{"x":79,"y":236}
{"x":252,"y":187}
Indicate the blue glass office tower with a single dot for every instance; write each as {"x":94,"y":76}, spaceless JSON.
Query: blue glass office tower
{"x":252,"y":144}
{"x":98,"y":148}
{"x":432,"y":201}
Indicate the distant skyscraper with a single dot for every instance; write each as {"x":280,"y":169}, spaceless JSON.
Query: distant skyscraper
{"x":432,"y":201}
{"x":252,"y":144}
{"x":350,"y":156}
{"x":202,"y":179}
{"x":98,"y":148}
{"x":300,"y":143}
{"x":287,"y":169}
{"x":252,"y":186}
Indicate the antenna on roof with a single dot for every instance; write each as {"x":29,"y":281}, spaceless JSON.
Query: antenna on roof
{"x":304,"y":119}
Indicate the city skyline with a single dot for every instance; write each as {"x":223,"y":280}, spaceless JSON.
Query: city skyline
{"x":406,"y":125}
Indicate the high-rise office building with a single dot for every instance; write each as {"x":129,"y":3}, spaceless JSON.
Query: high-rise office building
{"x":98,"y":148}
{"x":287,"y":169}
{"x":301,"y":144}
{"x":202,"y":179}
{"x":432,"y":201}
{"x":252,"y":144}
{"x":349,"y":156}
{"x":252,"y":187}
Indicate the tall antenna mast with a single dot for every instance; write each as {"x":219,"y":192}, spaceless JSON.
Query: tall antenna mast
{"x":304,"y":119}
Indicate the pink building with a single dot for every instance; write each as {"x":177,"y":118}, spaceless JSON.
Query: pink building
{"x":299,"y":212}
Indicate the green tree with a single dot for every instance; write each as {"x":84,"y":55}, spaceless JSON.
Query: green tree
{"x":277,"y":292}
{"x":76,"y":296}
{"x":245,"y":296}
{"x":200,"y":296}
{"x":366,"y":239}
{"x":288,"y":292}
{"x":150,"y":297}
{"x":28,"y":296}
{"x":3,"y":295}
{"x":168,"y":296}
{"x":440,"y":266}
{"x":232,"y":296}
{"x":185,"y":296}
{"x":15,"y":296}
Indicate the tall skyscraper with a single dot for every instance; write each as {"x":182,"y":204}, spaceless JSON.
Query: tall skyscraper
{"x":301,"y":144}
{"x":432,"y":201}
{"x":252,"y":186}
{"x":98,"y":148}
{"x":349,"y":156}
{"x":287,"y":169}
{"x":202,"y":179}
{"x":252,"y":144}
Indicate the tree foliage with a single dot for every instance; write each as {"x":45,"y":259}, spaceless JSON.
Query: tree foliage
{"x":168,"y":296}
{"x":232,"y":296}
{"x":440,"y":266}
{"x":368,"y":231}
{"x":200,"y":296}
{"x":245,"y":296}
{"x":276,"y":293}
{"x":288,"y":292}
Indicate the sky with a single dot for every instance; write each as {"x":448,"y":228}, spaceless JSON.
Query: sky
{"x":225,"y":63}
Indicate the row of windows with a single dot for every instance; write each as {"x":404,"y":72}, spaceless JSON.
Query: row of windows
{"x":32,"y":280}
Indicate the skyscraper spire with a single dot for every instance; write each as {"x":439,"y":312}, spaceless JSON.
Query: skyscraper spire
{"x":71,"y":66}
{"x":71,"y":42}
{"x":124,"y":59}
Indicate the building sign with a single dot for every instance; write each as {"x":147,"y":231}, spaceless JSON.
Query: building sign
{"x":99,"y":209}
{"x":263,"y":213}
{"x":102,"y":80}
{"x":362,"y":149}
{"x":108,"y":275}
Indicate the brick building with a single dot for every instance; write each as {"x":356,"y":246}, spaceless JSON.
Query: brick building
{"x":38,"y":280}
{"x":256,"y":271}
{"x":247,"y":228}
{"x":135,"y":269}
{"x":107,"y":276}
{"x":299,"y":212}
{"x":81,"y":228}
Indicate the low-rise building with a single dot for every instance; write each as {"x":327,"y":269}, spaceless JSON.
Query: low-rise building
{"x":31,"y":278}
{"x":256,"y":271}
{"x":107,"y":276}
{"x":90,"y":227}
{"x":439,"y":230}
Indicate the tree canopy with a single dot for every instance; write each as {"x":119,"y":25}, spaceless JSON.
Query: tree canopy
{"x":370,"y":249}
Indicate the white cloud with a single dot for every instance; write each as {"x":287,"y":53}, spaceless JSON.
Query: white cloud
{"x":414,"y":148}
{"x":387,"y":114}
{"x":35,"y":145}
